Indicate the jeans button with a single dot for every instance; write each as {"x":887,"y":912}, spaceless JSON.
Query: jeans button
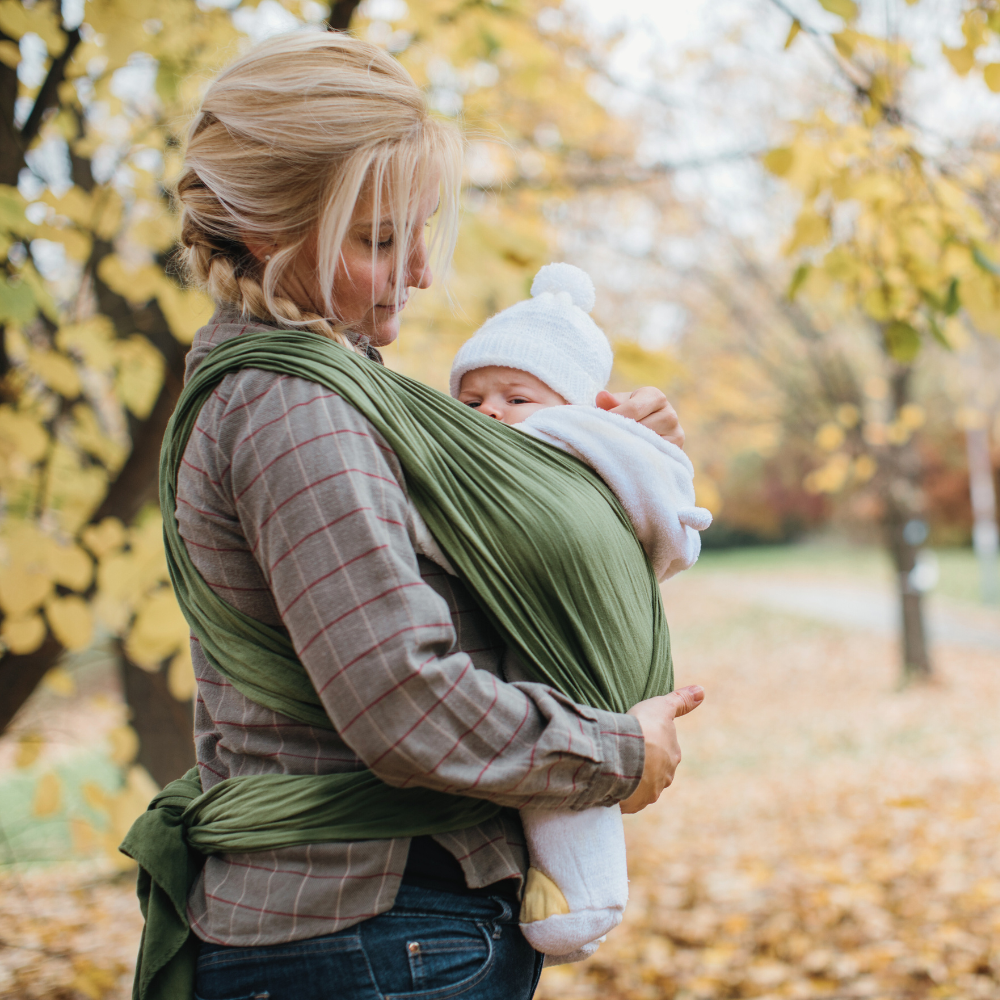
{"x":413,"y":947}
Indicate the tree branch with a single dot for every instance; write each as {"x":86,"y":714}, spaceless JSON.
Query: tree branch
{"x":341,"y":12}
{"x":48,"y":96}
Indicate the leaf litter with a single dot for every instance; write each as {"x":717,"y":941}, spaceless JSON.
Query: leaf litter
{"x":828,"y":835}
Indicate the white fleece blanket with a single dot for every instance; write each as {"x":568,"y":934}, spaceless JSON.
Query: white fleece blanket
{"x":653,"y":479}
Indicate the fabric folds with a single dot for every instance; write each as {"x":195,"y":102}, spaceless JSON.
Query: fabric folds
{"x":542,"y":543}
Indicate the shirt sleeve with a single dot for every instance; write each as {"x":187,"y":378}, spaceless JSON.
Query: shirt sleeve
{"x":322,"y":502}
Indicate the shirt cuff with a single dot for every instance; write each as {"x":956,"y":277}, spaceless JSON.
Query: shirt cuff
{"x":623,"y":753}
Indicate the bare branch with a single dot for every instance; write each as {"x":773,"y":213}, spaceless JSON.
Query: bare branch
{"x":48,"y":96}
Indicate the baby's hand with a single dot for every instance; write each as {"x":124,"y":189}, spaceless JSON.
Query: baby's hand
{"x":648,"y":406}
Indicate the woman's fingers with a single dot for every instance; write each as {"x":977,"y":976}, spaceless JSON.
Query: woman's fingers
{"x":663,"y":752}
{"x":649,"y":407}
{"x":685,"y":699}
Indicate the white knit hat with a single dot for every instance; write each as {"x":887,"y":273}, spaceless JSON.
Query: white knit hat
{"x":549,"y":335}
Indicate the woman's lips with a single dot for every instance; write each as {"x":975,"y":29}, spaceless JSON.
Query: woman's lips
{"x":391,"y":307}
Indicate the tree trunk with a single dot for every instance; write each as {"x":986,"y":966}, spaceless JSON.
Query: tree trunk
{"x":905,"y":531}
{"x":164,"y":724}
{"x":20,"y":675}
{"x":916,"y":658}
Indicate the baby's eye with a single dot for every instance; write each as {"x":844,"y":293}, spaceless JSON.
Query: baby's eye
{"x":473,"y":403}
{"x":520,"y":399}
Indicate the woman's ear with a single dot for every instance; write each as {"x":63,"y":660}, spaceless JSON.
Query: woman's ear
{"x":261,"y":251}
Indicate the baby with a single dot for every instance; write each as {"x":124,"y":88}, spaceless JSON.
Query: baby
{"x":539,"y":365}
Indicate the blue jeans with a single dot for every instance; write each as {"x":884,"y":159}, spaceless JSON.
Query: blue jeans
{"x":429,"y":946}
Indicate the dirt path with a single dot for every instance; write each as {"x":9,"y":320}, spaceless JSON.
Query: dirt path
{"x":870,"y":609}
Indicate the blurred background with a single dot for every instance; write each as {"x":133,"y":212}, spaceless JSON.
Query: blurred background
{"x":790,"y":209}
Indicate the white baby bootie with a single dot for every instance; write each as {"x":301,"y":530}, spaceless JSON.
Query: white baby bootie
{"x":577,"y":884}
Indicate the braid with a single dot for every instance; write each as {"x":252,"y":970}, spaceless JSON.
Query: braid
{"x":225,"y":269}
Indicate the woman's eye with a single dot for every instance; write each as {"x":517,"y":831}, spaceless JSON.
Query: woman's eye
{"x":385,"y":244}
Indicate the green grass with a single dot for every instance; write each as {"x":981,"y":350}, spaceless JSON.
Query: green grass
{"x":26,"y":838}
{"x":959,"y":570}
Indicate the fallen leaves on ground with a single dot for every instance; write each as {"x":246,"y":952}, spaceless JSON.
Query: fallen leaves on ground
{"x":828,"y":836}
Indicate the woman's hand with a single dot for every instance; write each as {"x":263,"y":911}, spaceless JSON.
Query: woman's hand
{"x":663,"y":752}
{"x":647,"y":406}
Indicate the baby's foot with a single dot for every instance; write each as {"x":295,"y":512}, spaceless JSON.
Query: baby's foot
{"x":550,"y":926}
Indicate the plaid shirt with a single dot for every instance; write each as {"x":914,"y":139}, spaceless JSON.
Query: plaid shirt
{"x":294,"y":509}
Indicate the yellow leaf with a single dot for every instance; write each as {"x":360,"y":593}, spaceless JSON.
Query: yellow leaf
{"x":71,"y":567}
{"x":108,"y":536}
{"x":793,"y":32}
{"x":56,"y":371}
{"x":901,"y":341}
{"x":843,"y":42}
{"x":830,"y":437}
{"x":908,"y":802}
{"x":107,"y":213}
{"x":962,"y":60}
{"x":95,"y":796}
{"x":847,"y":9}
{"x":22,"y":590}
{"x":23,"y":635}
{"x":160,"y":630}
{"x":912,"y":416}
{"x":76,"y":204}
{"x":779,"y":161}
{"x":71,"y":621}
{"x":86,"y":839}
{"x":186,"y":309}
{"x":140,"y":374}
{"x":48,"y":796}
{"x":180,"y":676}
{"x":991,"y":74}
{"x":124,"y":744}
{"x":29,"y":749}
{"x":864,"y":468}
{"x":90,"y":437}
{"x":848,"y":415}
{"x":811,"y":229}
{"x":10,"y":54}
{"x":93,"y":981}
{"x":130,"y":803}
{"x":16,"y":20}
{"x":92,"y":340}
{"x":60,"y":681}
{"x":73,"y":488}
{"x":22,"y":434}
{"x":77,"y":244}
{"x":137,"y":285}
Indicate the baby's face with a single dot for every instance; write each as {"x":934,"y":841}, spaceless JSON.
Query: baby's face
{"x":506,"y":394}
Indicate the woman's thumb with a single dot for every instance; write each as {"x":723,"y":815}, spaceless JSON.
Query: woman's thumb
{"x":687,"y":699}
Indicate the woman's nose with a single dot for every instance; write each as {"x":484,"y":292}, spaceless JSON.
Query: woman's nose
{"x":418,"y":272}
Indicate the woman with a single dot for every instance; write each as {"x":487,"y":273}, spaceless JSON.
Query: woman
{"x":313,"y":170}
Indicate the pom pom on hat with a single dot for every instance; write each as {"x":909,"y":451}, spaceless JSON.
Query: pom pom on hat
{"x":556,"y":278}
{"x":549,"y":335}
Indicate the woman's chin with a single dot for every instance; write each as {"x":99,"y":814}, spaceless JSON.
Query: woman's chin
{"x":384,"y":332}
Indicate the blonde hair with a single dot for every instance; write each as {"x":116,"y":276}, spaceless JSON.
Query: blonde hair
{"x":285,"y":143}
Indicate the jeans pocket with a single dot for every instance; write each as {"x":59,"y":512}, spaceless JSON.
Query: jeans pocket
{"x":427,"y":957}
{"x":442,"y":962}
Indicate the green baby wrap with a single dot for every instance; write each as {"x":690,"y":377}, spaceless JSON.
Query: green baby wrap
{"x":543,"y":545}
